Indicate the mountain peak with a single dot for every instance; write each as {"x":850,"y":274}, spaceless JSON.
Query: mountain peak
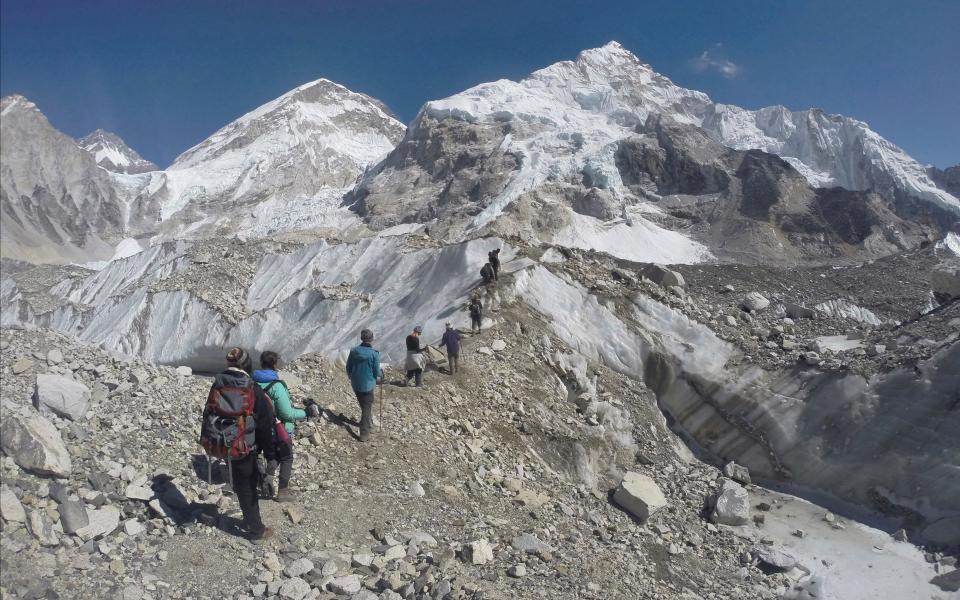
{"x":113,"y":154}
{"x":16,"y":102}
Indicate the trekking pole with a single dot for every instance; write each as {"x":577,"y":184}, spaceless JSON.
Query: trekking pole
{"x":381,"y":406}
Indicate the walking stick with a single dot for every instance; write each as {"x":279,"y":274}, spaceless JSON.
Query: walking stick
{"x":381,"y":406}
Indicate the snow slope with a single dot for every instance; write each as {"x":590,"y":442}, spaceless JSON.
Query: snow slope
{"x":113,"y":154}
{"x":591,"y":103}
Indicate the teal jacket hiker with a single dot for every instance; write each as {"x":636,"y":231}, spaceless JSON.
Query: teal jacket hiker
{"x":363,"y":367}
{"x":278,"y":392}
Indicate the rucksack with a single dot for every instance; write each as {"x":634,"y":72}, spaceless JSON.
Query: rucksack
{"x":280,"y":433}
{"x":474,"y":310}
{"x":228,"y":429}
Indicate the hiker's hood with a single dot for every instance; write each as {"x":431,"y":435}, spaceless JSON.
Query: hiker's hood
{"x":265,"y":375}
{"x":233,"y":377}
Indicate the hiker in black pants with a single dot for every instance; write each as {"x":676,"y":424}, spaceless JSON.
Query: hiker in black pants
{"x":245,"y":473}
{"x":476,"y":314}
{"x":494,"y":257}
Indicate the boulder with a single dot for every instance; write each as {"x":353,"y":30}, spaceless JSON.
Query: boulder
{"x":498,"y":345}
{"x":639,"y":495}
{"x":35,"y":444}
{"x":184,"y":371}
{"x":732,"y":505}
{"x":298,"y":567}
{"x":663,"y":276}
{"x":948,"y":582}
{"x":22,"y":365}
{"x":736,"y":472}
{"x":10,"y":507}
{"x":754,"y":301}
{"x":945,"y":281}
{"x":66,"y":397}
{"x":774,"y":559}
{"x":103,"y":522}
{"x":796,"y":311}
{"x":133,"y":527}
{"x":73,"y":516}
{"x":54,"y":356}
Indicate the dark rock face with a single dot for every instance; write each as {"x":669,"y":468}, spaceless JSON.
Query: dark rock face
{"x":444,"y":169}
{"x":753,"y":206}
{"x":946,"y":179}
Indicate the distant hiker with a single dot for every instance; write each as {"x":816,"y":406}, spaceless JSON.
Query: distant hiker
{"x":487,"y":273}
{"x":451,"y":339}
{"x":476,"y":314}
{"x":363,"y":367}
{"x":494,"y":258}
{"x":238,"y":422}
{"x":287,"y":414}
{"x":416,"y":360}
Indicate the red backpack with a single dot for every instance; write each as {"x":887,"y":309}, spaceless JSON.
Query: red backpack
{"x":228,"y":430}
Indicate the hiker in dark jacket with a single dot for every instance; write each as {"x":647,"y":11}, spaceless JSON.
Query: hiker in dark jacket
{"x":476,"y":314}
{"x":487,"y":273}
{"x":451,"y":339}
{"x":416,"y":360}
{"x":494,"y":257}
{"x":269,"y":381}
{"x":363,"y":367}
{"x":245,"y":474}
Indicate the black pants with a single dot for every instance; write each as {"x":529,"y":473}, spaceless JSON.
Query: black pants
{"x":453,"y":360}
{"x":475,"y":322}
{"x":365,"y":399}
{"x":496,"y":269}
{"x":285,"y":458}
{"x":245,"y":480}
{"x":415,"y":374}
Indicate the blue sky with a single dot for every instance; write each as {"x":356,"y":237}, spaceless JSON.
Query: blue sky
{"x":165,"y":75}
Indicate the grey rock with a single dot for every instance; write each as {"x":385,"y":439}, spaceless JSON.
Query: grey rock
{"x":294,"y":589}
{"x":736,"y":472}
{"x":732,"y":505}
{"x":663,"y":276}
{"x":754,"y":302}
{"x":54,"y":356}
{"x":299,"y":567}
{"x":35,"y":445}
{"x":945,"y":281}
{"x":66,"y":397}
{"x":103,"y":522}
{"x":948,"y":582}
{"x":10,"y":507}
{"x":348,"y":584}
{"x":639,"y":495}
{"x":529,"y":544}
{"x":73,"y":516}
{"x":481,"y":552}
{"x":775,"y":559}
{"x":41,"y":527}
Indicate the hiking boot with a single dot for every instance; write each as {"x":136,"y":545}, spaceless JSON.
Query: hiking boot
{"x":364,"y":436}
{"x":265,"y":534}
{"x":284,"y":495}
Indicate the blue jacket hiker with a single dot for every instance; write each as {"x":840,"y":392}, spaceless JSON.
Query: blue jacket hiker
{"x":363,"y":368}
{"x":451,"y":339}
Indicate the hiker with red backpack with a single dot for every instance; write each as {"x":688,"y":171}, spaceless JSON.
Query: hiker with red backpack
{"x":238,"y":422}
{"x":287,"y":414}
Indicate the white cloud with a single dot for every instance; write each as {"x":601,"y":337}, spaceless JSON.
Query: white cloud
{"x":713,"y":58}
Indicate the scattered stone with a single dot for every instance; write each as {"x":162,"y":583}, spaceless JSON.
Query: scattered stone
{"x":774,"y":559}
{"x":948,"y":582}
{"x":639,"y":495}
{"x":184,"y":371}
{"x":663,"y":276}
{"x":295,"y":589}
{"x":21,"y":365}
{"x":416,"y":490}
{"x":528,"y":543}
{"x":298,"y":568}
{"x":498,"y":345}
{"x":35,"y":444}
{"x":133,"y":527}
{"x":900,"y":535}
{"x":517,"y":571}
{"x":348,"y":584}
{"x":54,"y":356}
{"x":294,"y":514}
{"x":103,"y":522}
{"x":61,"y":395}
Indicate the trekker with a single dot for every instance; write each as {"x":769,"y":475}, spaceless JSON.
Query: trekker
{"x":287,"y":414}
{"x":244,"y":471}
{"x":494,"y":257}
{"x":476,"y":314}
{"x":451,"y":339}
{"x":363,"y":367}
{"x":487,"y":273}
{"x":416,"y":360}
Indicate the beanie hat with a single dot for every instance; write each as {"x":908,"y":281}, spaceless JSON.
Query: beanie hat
{"x":449,"y":325}
{"x":366,"y":335}
{"x":237,"y":356}
{"x":418,"y":328}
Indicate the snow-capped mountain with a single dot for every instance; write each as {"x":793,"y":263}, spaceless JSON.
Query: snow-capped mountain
{"x":555,"y":141}
{"x":113,"y":154}
{"x":280,"y":167}
{"x":57,"y":204}
{"x":946,"y":179}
